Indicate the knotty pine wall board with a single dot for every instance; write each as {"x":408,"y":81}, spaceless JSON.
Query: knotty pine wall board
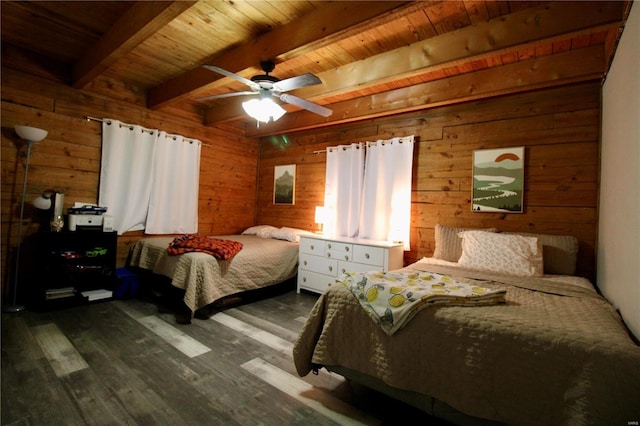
{"x":558,"y":127}
{"x":69,"y":158}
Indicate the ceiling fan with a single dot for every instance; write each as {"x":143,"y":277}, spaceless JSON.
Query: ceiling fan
{"x":266,"y":85}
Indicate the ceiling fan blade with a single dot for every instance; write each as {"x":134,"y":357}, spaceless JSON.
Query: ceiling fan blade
{"x":229,"y":74}
{"x":303,"y":103}
{"x":292,"y":83}
{"x":225,"y":95}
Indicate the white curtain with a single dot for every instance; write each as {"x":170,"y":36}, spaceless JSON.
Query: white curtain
{"x":173,"y":206}
{"x":343,"y":187}
{"x":386,"y":197}
{"x":143,"y":176}
{"x":125,"y":173}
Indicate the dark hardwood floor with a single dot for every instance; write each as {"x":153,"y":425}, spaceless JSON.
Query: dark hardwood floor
{"x":129,"y":362}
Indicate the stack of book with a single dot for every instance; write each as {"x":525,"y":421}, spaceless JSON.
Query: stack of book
{"x":59,"y":293}
{"x":97,"y":294}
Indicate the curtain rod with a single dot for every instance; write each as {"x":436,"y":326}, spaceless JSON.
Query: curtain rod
{"x":402,"y":140}
{"x":130,"y":126}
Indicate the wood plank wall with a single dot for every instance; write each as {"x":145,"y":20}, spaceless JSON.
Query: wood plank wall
{"x":69,"y":158}
{"x":559,"y":129}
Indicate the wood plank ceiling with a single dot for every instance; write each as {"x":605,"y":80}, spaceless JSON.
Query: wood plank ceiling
{"x":374,"y":57}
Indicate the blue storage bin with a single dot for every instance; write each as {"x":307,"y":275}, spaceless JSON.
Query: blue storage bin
{"x":127,"y":283}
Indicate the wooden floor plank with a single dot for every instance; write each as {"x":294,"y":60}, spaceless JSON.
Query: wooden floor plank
{"x":174,"y":337}
{"x":127,"y":385}
{"x":64,"y":358}
{"x":324,"y":380}
{"x":266,"y":338}
{"x":322,"y":402}
{"x":134,"y":376}
{"x":267,"y":325}
{"x":25,"y":370}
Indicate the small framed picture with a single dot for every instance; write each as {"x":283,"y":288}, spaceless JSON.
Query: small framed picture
{"x":498,"y":180}
{"x":284,"y":184}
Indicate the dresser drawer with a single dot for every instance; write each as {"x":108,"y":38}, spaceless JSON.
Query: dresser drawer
{"x":321,"y":265}
{"x":346,"y":256}
{"x":338,"y":246}
{"x":312,"y":246}
{"x":355,"y":267}
{"x":369,"y":255}
{"x":313,"y":281}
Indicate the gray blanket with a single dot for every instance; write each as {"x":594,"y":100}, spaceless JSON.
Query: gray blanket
{"x":553,"y":354}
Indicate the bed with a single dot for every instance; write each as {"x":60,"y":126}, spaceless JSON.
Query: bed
{"x":268,"y":256}
{"x":553,"y":351}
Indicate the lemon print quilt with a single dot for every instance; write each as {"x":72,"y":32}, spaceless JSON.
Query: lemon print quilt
{"x":393,"y":298}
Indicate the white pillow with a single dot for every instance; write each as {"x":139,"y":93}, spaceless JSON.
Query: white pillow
{"x":448,"y":244}
{"x":289,"y":234}
{"x":503,"y":253}
{"x":262,"y":231}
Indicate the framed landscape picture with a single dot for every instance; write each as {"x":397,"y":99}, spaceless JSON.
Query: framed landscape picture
{"x":498,"y":180}
{"x":284,"y":184}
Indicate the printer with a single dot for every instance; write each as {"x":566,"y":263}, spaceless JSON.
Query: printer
{"x":86,"y":218}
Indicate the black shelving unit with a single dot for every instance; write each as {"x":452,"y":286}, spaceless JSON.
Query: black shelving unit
{"x":70,"y":263}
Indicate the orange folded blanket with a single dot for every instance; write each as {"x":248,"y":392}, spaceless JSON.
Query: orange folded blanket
{"x":218,"y":248}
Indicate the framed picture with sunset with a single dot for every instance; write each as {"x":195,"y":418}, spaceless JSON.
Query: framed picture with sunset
{"x":498,"y":180}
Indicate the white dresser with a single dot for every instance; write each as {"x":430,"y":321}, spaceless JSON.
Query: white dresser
{"x":323,"y":259}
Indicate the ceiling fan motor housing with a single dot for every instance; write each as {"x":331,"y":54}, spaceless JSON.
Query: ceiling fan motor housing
{"x":267,"y":67}
{"x":264,"y":77}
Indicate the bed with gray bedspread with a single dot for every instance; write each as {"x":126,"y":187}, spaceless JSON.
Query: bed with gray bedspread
{"x":556,"y":353}
{"x":261,"y":262}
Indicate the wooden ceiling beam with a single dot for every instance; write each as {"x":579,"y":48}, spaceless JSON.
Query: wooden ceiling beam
{"x":329,"y":19}
{"x":140,"y":22}
{"x":477,"y":42}
{"x":564,"y":68}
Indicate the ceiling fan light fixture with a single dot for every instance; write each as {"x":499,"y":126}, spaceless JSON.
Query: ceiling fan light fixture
{"x":263,"y":109}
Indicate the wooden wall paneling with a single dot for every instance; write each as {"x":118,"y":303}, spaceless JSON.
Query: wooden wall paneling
{"x":559,"y":128}
{"x":69,"y":158}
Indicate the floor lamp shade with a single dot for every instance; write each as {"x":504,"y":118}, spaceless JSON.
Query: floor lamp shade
{"x":31,"y":135}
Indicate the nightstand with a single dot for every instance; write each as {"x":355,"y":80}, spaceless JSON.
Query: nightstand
{"x":72,"y":263}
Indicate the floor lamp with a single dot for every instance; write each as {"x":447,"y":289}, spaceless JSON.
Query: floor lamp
{"x":31,"y":135}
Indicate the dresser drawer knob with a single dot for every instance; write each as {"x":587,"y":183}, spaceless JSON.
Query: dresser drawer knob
{"x":304,"y":279}
{"x":367,"y":255}
{"x":329,"y":245}
{"x":305,"y":263}
{"x":346,"y":248}
{"x":330,"y":268}
{"x":346,"y":257}
{"x":312,"y":247}
{"x":328,"y":254}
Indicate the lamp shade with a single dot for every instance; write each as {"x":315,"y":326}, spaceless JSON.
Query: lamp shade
{"x":320,"y":216}
{"x":32,"y":134}
{"x":42,"y":202}
{"x":263,"y":109}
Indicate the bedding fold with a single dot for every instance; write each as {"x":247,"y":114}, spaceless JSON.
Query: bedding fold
{"x":392,"y":298}
{"x":219,"y":248}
